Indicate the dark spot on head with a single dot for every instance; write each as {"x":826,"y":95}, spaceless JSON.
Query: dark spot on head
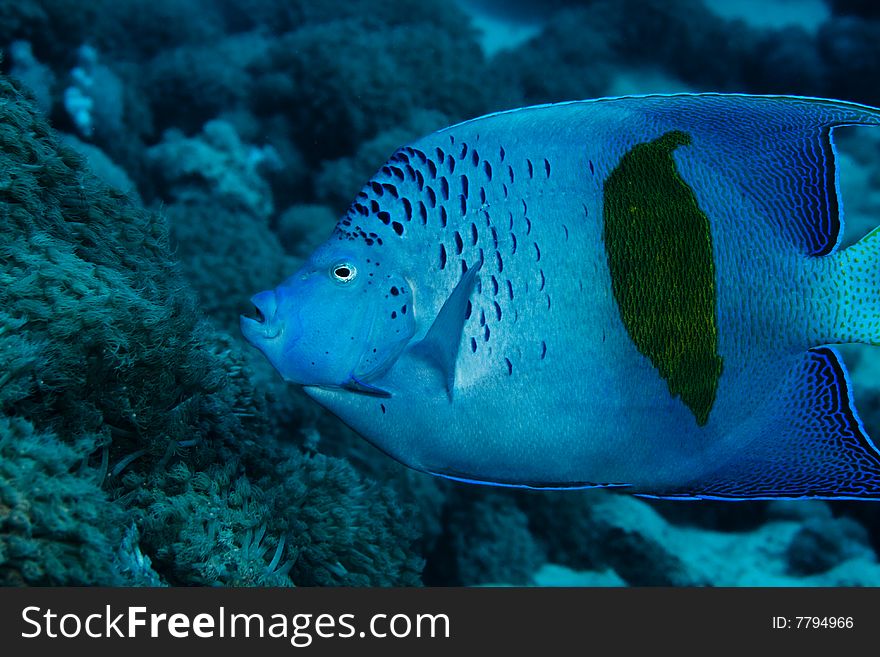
{"x":494,"y":285}
{"x":529,"y":166}
{"x":464,"y":186}
{"x":474,"y":234}
{"x":475,"y":158}
{"x":547,"y":167}
{"x":394,"y":291}
{"x":464,"y":267}
{"x":499,"y":261}
{"x":393,"y":314}
{"x":407,"y":208}
{"x":423,"y":213}
{"x":486,"y":333}
{"x":487,"y":169}
{"x":398,"y":227}
{"x":463,"y":202}
{"x":497,"y":310}
{"x":591,"y":167}
{"x":442,"y":216}
{"x":376,"y":187}
{"x":384,"y":217}
{"x":501,"y":152}
{"x":473,"y":345}
{"x":459,"y":245}
{"x":510,"y":290}
{"x":510,"y":173}
{"x":543,"y":349}
{"x":391,"y":189}
{"x":468,"y":310}
{"x":509,"y":366}
{"x":374,"y":206}
{"x":432,"y":197}
{"x":432,"y":168}
{"x":482,"y":317}
{"x":382,"y":406}
{"x":442,"y":257}
{"x":420,"y":179}
{"x":463,"y":151}
{"x":444,"y":189}
{"x":403,"y":309}
{"x":537,"y":251}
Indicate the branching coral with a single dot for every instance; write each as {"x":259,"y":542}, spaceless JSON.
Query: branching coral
{"x":121,"y":405}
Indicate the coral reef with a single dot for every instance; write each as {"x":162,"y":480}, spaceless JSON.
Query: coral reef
{"x":121,"y":405}
{"x":141,"y":444}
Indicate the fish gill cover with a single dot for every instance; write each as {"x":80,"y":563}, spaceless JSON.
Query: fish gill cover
{"x":140,"y":443}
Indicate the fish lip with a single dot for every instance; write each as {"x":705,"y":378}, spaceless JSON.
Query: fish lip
{"x":265,"y":324}
{"x":252,"y":328}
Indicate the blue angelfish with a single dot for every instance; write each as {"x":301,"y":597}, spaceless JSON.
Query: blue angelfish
{"x":638,"y":292}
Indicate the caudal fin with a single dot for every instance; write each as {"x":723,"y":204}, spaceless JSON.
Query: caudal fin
{"x":859,"y":310}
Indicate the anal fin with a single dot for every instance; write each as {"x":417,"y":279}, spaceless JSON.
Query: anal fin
{"x":810,"y":443}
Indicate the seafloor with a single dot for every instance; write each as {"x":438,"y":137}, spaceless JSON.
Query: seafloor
{"x":197,"y":152}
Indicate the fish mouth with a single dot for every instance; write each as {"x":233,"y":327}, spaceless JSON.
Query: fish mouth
{"x":264,"y":323}
{"x":256,"y":328}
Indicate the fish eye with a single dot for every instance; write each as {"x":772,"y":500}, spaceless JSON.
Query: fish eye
{"x":343,"y":272}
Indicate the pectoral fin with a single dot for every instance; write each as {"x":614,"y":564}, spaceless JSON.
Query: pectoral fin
{"x":440,"y":346}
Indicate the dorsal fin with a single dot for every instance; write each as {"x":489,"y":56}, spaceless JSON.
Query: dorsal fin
{"x":778,"y":148}
{"x":441,"y":343}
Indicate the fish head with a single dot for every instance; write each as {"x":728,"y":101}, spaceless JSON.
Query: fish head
{"x":340,"y":321}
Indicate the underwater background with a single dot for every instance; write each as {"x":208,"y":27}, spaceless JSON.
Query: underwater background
{"x":198,"y":151}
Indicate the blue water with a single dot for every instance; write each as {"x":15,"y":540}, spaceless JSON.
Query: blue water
{"x":142,"y":442}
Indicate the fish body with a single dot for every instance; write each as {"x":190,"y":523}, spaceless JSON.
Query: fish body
{"x":637,"y":292}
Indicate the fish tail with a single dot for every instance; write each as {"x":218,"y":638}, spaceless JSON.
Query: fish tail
{"x":859,"y":309}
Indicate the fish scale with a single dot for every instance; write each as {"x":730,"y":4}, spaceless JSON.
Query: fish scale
{"x":637,"y":292}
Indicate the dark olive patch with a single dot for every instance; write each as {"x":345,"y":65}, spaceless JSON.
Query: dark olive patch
{"x":659,"y":248}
